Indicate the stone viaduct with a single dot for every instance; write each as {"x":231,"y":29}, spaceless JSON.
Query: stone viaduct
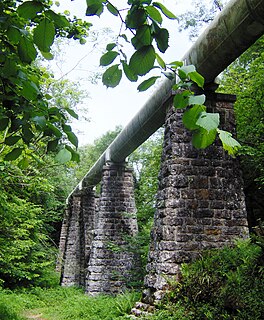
{"x":200,"y":201}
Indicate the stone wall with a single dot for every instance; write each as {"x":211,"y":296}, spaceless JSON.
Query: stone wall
{"x":94,"y":245}
{"x":200,"y":201}
{"x":111,"y":262}
{"x":200,"y":205}
{"x":76,"y":237}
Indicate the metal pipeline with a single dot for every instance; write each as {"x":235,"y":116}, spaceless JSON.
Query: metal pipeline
{"x":234,"y":30}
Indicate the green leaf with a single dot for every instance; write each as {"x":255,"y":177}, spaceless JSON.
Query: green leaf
{"x":52,"y":145}
{"x":13,"y":34}
{"x":124,"y":37}
{"x":161,"y":62}
{"x":208,"y":121}
{"x":63,"y":156}
{"x":58,"y":20}
{"x":135,"y":18}
{"x":72,"y":138}
{"x":27,"y":133}
{"x":147,"y":83}
{"x":229,"y":143}
{"x":112,"y":9}
{"x":154,"y":14}
{"x":142,"y":38}
{"x":13,"y":155}
{"x":10,"y":68}
{"x":112,"y":76}
{"x":199,"y":99}
{"x":75,"y":155}
{"x":72,"y":113}
{"x":142,"y":61}
{"x":4,"y":123}
{"x":23,"y":163}
{"x":197,"y":78}
{"x":26,"y":50}
{"x":29,"y":9}
{"x":29,"y":91}
{"x":202,"y":138}
{"x":47,"y":55}
{"x":54,"y":130}
{"x":110,"y":46}
{"x":108,"y":58}
{"x":94,"y":7}
{"x":66,"y":128}
{"x":145,"y":1}
{"x":176,"y":64}
{"x":129,"y":73}
{"x":44,"y":34}
{"x":185,"y":70}
{"x":82,"y":41}
{"x":162,"y":39}
{"x":191,"y":115}
{"x":39,"y":121}
{"x":164,"y":10}
{"x":10,"y":141}
{"x":181,"y":100}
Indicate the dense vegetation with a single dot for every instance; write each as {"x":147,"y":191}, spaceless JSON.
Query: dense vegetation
{"x":223,"y":284}
{"x":245,"y":79}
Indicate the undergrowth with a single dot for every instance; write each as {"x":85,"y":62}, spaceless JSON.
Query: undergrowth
{"x":64,"y":303}
{"x":224,"y":284}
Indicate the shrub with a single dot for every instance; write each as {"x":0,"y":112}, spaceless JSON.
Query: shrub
{"x":223,"y":284}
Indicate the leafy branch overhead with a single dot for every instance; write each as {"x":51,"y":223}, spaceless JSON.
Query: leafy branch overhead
{"x":143,"y":20}
{"x":28,"y":30}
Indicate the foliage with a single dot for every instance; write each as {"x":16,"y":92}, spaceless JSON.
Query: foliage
{"x":245,"y":79}
{"x":202,"y":13}
{"x":31,"y":27}
{"x":90,"y":153}
{"x":146,"y":163}
{"x":33,"y":192}
{"x":28,"y":29}
{"x":65,"y":303}
{"x":31,"y":207}
{"x":24,"y":253}
{"x":143,"y":20}
{"x":223,"y":284}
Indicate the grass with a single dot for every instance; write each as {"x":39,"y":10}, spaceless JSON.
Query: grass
{"x":64,"y":303}
{"x":224,"y":284}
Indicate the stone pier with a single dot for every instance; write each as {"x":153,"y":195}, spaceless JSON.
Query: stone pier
{"x":200,"y":201}
{"x":111,"y":263}
{"x":76,"y":237}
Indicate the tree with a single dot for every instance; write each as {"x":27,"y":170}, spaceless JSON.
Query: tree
{"x":90,"y":153}
{"x":202,"y":13}
{"x":33,"y":192}
{"x":146,"y":163}
{"x":245,"y":79}
{"x":31,"y":28}
{"x":28,"y":29}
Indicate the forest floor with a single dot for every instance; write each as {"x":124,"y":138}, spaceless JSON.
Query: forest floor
{"x":34,"y":315}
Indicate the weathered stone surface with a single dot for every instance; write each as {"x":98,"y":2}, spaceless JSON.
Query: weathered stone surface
{"x":200,"y":201}
{"x":111,"y":262}
{"x":76,"y":237}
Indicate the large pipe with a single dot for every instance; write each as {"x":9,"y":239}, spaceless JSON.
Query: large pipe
{"x":234,"y":30}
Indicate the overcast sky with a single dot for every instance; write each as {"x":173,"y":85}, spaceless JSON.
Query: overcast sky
{"x":108,"y":108}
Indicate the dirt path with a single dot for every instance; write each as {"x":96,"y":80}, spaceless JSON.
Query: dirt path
{"x":37,"y":316}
